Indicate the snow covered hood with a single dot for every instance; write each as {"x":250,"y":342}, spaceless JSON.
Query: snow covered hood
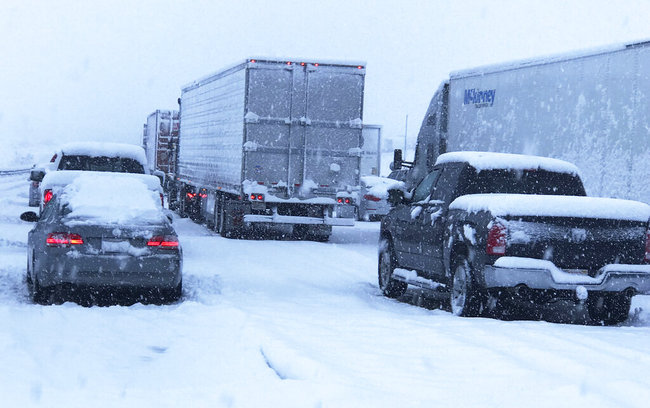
{"x":110,"y":198}
{"x":554,"y":206}
{"x":490,"y":160}
{"x":97,"y":149}
{"x":63,"y":178}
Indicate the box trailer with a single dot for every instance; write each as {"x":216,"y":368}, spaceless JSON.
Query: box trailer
{"x":272,"y":143}
{"x":371,"y":150}
{"x":588,"y":108}
{"x":159,"y":140}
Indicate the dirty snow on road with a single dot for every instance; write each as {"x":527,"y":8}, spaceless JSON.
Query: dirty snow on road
{"x":296,"y":324}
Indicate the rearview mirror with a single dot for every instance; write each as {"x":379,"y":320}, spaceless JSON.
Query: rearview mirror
{"x":395,"y":197}
{"x":397,"y":159}
{"x":37,"y":174}
{"x":29,"y":216}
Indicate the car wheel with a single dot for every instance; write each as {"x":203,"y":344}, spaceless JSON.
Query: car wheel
{"x":389,"y":286}
{"x":40,"y":295}
{"x":465,"y":298}
{"x":609,"y":309}
{"x":172,"y":295}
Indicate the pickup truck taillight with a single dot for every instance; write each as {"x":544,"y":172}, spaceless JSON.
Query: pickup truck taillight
{"x":63,"y":239}
{"x":496,"y":240}
{"x":47,"y":196}
{"x":647,"y":246}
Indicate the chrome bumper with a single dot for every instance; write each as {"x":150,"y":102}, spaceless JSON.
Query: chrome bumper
{"x":610,"y":278}
{"x":288,"y":219}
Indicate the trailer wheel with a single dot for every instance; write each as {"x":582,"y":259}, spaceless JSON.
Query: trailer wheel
{"x":224,"y":219}
{"x":609,"y":309}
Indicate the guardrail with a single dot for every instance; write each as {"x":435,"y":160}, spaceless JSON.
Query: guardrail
{"x":12,"y":172}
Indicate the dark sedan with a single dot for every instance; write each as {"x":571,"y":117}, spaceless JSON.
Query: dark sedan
{"x":103,"y":234}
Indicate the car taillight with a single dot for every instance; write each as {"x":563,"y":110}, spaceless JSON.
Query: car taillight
{"x":63,"y":239}
{"x":647,"y":246}
{"x":165,"y":242}
{"x":371,"y":197}
{"x":496,"y":240}
{"x":47,"y":196}
{"x":257,"y":197}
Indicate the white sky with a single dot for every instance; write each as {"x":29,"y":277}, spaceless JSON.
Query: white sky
{"x":94,"y":70}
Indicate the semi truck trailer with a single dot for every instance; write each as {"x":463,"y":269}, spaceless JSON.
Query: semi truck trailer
{"x":590,"y":108}
{"x":272,"y":144}
{"x":160,"y":140}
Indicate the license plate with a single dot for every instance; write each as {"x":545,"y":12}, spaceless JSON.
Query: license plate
{"x":577,"y":271}
{"x":109,"y":245}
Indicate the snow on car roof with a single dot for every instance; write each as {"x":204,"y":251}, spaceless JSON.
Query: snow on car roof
{"x":106,"y":149}
{"x":111,"y":198}
{"x":554,"y":206}
{"x":492,"y":160}
{"x":379,"y":186}
{"x":63,"y":178}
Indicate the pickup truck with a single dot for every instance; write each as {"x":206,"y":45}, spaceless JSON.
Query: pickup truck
{"x":486,"y":229}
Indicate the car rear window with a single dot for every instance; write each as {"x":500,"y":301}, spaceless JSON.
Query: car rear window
{"x":100,"y":163}
{"x":535,"y":181}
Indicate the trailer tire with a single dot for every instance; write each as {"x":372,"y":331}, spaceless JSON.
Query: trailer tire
{"x":224,"y":224}
{"x":609,"y":309}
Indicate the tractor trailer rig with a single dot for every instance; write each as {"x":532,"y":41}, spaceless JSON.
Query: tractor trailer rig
{"x":272,"y":144}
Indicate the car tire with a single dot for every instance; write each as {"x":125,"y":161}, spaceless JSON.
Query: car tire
{"x":39,"y":294}
{"x":386,"y":265}
{"x":609,"y":309}
{"x":464,"y":297}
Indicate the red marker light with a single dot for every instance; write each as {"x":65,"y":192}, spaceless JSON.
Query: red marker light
{"x":252,"y":196}
{"x":253,"y":61}
{"x":53,"y":159}
{"x":360,"y":67}
{"x":288,"y":62}
{"x":260,"y":197}
{"x":302,"y":63}
{"x":316,"y":64}
{"x":339,"y":200}
{"x":347,"y":201}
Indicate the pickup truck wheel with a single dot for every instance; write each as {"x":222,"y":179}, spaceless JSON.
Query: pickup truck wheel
{"x":390,"y":287}
{"x":465,"y":298}
{"x":609,"y":309}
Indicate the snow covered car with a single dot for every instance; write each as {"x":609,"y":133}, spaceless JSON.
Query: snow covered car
{"x":103,"y":232}
{"x":88,"y":156}
{"x":486,"y":230}
{"x":373,"y":196}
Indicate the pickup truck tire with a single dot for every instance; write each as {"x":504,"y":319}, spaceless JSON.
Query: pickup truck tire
{"x":465,"y":298}
{"x":609,"y":309}
{"x":390,"y":287}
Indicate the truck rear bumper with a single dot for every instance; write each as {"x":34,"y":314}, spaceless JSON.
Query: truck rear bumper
{"x":288,"y":219}
{"x":539,"y":274}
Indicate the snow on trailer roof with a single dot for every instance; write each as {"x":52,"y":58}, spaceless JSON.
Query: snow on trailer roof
{"x":106,"y":149}
{"x":513,"y":65}
{"x":553,"y":206}
{"x":110,"y":198}
{"x":510,"y":161}
{"x":63,"y":178}
{"x":282,"y":61}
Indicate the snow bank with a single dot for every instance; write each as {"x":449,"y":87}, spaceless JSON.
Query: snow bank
{"x":110,"y":199}
{"x":490,"y":161}
{"x":555,"y":206}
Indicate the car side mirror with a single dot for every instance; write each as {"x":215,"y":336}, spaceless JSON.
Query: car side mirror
{"x":37,"y":174}
{"x":29,"y":216}
{"x":395,"y":197}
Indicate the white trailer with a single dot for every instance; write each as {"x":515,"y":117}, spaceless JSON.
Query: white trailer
{"x":590,"y":108}
{"x":371,"y":150}
{"x":159,"y":140}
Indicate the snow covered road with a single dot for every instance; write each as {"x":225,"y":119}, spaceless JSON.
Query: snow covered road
{"x":296,"y":324}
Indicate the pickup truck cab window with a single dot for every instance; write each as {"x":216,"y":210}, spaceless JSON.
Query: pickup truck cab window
{"x":423,"y":190}
{"x":533,"y":181}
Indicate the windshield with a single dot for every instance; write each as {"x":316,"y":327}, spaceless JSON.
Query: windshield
{"x":100,"y":163}
{"x":505,"y":181}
